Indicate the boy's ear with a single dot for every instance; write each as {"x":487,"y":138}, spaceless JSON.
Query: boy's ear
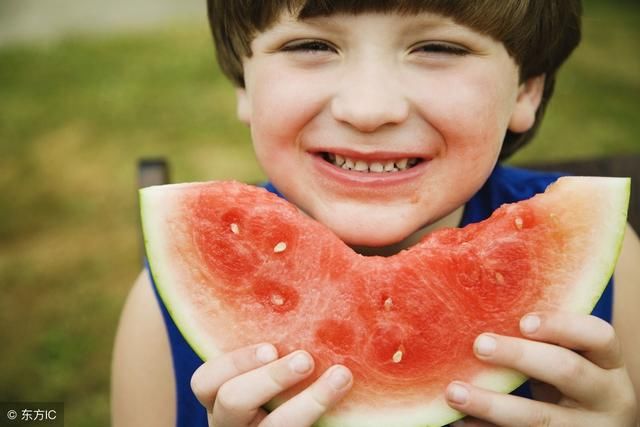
{"x":243,"y":107}
{"x":527,"y":103}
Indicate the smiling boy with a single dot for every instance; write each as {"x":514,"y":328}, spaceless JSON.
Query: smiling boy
{"x":389,"y":100}
{"x":385,"y":120}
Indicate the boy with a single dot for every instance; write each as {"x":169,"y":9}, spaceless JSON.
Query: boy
{"x":385,"y":120}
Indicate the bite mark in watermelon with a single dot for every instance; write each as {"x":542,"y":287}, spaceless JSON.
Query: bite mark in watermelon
{"x":236,"y":265}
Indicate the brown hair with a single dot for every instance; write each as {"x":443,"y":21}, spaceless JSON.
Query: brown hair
{"x":538,"y":34}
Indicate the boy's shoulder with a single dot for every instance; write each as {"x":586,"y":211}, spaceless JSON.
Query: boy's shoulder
{"x":522,"y":182}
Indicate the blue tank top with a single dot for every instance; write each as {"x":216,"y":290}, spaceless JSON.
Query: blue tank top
{"x":505,"y":185}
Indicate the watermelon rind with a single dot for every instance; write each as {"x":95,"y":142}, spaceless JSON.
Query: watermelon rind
{"x":607,"y":229}
{"x":613,"y":195}
{"x":155,"y":199}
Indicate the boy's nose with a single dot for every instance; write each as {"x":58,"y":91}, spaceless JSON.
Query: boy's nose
{"x":369,"y":100}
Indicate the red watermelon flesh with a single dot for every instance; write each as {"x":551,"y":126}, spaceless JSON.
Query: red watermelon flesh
{"x":236,"y":265}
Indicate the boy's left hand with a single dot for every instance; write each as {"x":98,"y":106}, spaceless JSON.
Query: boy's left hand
{"x":579,"y":355}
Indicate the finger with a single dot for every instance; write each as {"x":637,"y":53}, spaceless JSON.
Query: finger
{"x":508,"y":410}
{"x":590,"y":335}
{"x":309,"y":405}
{"x":572,"y":374}
{"x":210,"y":376}
{"x":240,"y":398}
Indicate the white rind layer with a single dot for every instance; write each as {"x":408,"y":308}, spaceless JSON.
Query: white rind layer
{"x":610,"y":198}
{"x":164,"y":205}
{"x":607,"y":199}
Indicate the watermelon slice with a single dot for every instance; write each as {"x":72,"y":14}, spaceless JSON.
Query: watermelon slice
{"x":236,"y":265}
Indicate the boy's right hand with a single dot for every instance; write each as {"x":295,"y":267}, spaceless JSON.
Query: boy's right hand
{"x":234,"y":386}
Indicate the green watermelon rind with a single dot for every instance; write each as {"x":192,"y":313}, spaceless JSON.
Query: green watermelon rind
{"x":156,"y":270}
{"x":501,"y":380}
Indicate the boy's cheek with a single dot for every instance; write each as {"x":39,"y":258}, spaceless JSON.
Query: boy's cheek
{"x":281,"y":119}
{"x":277,"y":91}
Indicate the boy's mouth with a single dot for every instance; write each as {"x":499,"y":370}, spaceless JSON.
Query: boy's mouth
{"x":370,"y":166}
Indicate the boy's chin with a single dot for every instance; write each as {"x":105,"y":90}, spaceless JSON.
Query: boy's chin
{"x":369,"y":235}
{"x":374,"y":226}
{"x":372,"y":242}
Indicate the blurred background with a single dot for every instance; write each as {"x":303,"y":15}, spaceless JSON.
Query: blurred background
{"x":89,"y":87}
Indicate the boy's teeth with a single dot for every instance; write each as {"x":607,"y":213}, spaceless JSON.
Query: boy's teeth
{"x":348,"y":164}
{"x":376,"y":167}
{"x":388,"y":167}
{"x":361,"y":166}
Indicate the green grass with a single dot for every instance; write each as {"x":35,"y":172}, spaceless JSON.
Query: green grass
{"x":76,"y":115}
{"x":74,"y":119}
{"x":595,"y":109}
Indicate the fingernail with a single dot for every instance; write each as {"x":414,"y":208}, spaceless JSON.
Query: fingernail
{"x":485,"y":345}
{"x":300,"y":363}
{"x":339,"y":378}
{"x":529,"y":324}
{"x":266,"y":353}
{"x":457,"y":394}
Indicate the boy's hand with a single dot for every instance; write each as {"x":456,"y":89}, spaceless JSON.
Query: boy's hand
{"x":578,"y":358}
{"x":234,"y":386}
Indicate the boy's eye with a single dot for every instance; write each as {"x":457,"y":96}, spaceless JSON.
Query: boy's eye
{"x":312,"y":46}
{"x":441,"y":48}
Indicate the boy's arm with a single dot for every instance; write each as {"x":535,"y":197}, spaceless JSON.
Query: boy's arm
{"x":626,"y":316}
{"x":142,"y":382}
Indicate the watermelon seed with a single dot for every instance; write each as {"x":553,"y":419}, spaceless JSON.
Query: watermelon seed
{"x":519,"y":223}
{"x":235,"y":229}
{"x":277,"y":299}
{"x":397,"y":356}
{"x":280,"y":247}
{"x":499,"y":279}
{"x":388,"y":303}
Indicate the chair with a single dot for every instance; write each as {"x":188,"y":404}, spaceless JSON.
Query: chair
{"x":151,"y":171}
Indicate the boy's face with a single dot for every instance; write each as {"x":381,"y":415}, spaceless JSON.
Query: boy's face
{"x":418,"y":103}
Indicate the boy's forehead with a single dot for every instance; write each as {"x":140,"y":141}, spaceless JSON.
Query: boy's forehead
{"x":340,"y":20}
{"x":427,"y":13}
{"x":493,"y":17}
